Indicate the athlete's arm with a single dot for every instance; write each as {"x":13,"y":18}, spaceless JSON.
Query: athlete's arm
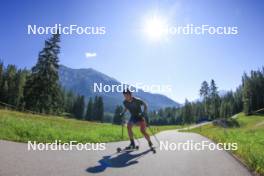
{"x":124,"y":111}
{"x":142,"y":103}
{"x":145,"y":107}
{"x":145,"y":113}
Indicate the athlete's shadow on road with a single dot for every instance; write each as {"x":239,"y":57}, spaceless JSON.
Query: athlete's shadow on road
{"x":123,"y":159}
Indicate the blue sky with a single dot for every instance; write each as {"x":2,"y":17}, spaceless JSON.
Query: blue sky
{"x":126,"y":53}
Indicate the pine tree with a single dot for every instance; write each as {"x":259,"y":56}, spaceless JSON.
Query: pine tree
{"x":20,"y":82}
{"x":117,"y":118}
{"x":100,"y":109}
{"x":78,"y":107}
{"x":95,"y":109}
{"x":10,"y":84}
{"x":238,"y":100}
{"x":247,"y":95}
{"x":5,"y":91}
{"x":204,"y":93}
{"x":42,"y":91}
{"x":187,"y":112}
{"x":69,"y":99}
{"x":214,"y":101}
{"x":89,"y":110}
{"x":2,"y":69}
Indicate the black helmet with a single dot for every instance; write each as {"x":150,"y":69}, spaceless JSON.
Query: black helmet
{"x":127,"y":91}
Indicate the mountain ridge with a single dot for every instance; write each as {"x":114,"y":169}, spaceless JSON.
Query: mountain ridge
{"x":81,"y":81}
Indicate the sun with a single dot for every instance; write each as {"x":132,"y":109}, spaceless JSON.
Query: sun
{"x":155,"y":27}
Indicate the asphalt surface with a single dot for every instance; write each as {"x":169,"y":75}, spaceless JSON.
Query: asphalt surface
{"x":16,"y":160}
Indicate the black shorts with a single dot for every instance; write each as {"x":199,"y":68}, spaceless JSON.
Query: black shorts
{"x":135,"y":119}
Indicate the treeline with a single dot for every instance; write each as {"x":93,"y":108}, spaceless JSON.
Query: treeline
{"x":253,"y":91}
{"x":38,"y":90}
{"x":248,"y":97}
{"x":95,"y":109}
{"x":211,"y":106}
{"x":12,"y":81}
{"x":76,"y":106}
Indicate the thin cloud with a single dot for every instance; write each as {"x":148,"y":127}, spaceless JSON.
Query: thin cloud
{"x":89,"y":54}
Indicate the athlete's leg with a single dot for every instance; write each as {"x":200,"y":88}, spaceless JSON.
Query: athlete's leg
{"x":142,"y":125}
{"x":129,"y":130}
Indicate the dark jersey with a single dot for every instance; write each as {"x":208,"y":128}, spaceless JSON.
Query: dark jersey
{"x":134,"y":107}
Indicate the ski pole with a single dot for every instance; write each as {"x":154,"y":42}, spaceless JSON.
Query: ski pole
{"x":148,"y":124}
{"x":122,"y":130}
{"x":122,"y":123}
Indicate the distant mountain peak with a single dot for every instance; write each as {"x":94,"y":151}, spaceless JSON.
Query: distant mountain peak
{"x":89,"y":71}
{"x":81,"y":82}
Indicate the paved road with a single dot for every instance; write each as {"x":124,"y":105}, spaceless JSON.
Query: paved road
{"x":16,"y":160}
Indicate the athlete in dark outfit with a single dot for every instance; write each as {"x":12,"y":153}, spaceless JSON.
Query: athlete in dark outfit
{"x":133,"y":105}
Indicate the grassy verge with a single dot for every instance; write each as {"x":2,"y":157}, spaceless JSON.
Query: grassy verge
{"x":24,"y":127}
{"x":249,"y":137}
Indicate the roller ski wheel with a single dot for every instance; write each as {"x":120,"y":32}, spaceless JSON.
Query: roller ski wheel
{"x":153,"y":149}
{"x":129,"y":148}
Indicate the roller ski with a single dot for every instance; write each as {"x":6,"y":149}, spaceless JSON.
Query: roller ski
{"x":131,"y":147}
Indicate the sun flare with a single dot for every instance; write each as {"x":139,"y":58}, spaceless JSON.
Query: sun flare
{"x":155,"y":27}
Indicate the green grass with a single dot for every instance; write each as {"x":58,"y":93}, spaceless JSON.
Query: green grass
{"x":249,"y":137}
{"x":24,"y":127}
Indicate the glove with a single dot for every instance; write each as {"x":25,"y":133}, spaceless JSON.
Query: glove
{"x":122,"y":114}
{"x":143,"y":114}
